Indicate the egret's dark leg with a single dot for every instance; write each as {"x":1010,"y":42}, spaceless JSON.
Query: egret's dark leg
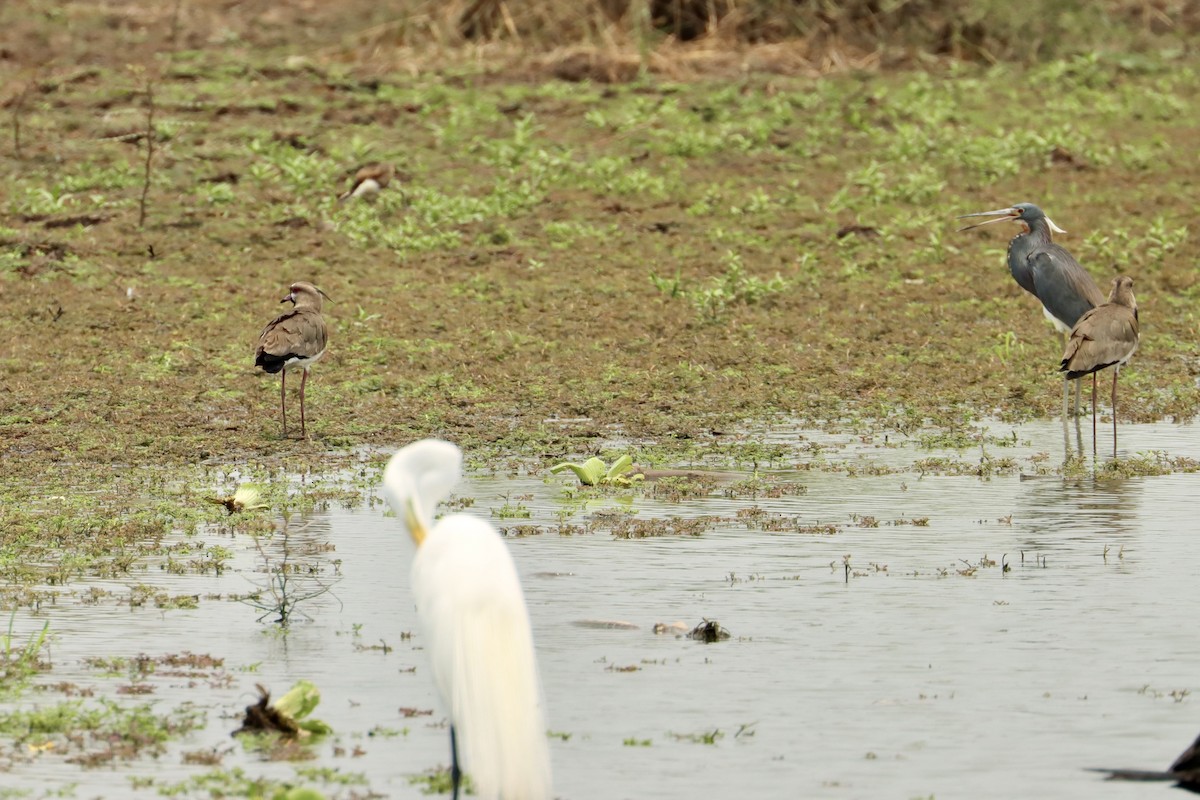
{"x":1066,"y":395}
{"x":303,"y":381}
{"x":455,"y":772}
{"x":283,"y":400}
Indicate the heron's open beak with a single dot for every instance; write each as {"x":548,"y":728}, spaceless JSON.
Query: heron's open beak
{"x":1000,"y":214}
{"x":291,"y":297}
{"x":413,"y":522}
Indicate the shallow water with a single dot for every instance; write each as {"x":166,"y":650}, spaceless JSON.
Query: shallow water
{"x":906,"y":679}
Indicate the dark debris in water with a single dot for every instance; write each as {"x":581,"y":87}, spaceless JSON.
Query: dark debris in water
{"x":709,"y":631}
{"x":262,"y":717}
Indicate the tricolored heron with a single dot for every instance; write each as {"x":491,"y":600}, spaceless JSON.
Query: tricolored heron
{"x":1047,"y":271}
{"x":1106,"y":336}
{"x":294,"y":339}
{"x":476,"y":630}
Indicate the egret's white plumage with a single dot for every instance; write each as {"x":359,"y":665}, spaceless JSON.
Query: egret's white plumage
{"x":476,"y":628}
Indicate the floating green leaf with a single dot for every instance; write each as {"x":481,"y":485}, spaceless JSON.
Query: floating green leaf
{"x":248,"y":497}
{"x":298,"y":703}
{"x":594,"y":472}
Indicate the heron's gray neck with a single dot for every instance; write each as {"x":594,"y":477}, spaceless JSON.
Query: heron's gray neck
{"x":1038,"y":233}
{"x":1034,"y":237}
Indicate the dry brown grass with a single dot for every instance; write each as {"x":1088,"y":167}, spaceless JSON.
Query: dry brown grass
{"x":606,"y":39}
{"x":601,"y":40}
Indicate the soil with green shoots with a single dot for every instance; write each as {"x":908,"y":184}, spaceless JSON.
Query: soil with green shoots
{"x":560,"y":260}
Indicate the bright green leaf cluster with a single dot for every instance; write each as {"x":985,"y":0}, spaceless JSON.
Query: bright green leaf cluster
{"x":594,"y":472}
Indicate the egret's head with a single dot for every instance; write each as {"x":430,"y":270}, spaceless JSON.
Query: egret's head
{"x":1024,"y":214}
{"x":417,"y":478}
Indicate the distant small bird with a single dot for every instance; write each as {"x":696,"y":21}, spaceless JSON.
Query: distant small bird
{"x":369,"y":181}
{"x":295,"y":339}
{"x":1185,"y":771}
{"x":1046,"y":270}
{"x":1106,"y":336}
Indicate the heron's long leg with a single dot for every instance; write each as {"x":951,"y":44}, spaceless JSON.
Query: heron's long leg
{"x":283,"y":400}
{"x":303,"y":381}
{"x":1093,"y":414}
{"x":455,"y":772}
{"x":1062,"y":345}
{"x":1116,"y":370}
{"x":1078,"y":391}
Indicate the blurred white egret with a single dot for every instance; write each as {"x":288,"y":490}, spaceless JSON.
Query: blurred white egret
{"x":476,"y":629}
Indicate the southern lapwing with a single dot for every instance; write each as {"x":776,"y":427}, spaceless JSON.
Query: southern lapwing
{"x":1106,"y":336}
{"x":293,"y":340}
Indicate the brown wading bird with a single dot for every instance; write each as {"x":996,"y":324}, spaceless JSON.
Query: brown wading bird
{"x":295,"y":339}
{"x":1106,"y":336}
{"x":1185,"y":771}
{"x":369,"y":181}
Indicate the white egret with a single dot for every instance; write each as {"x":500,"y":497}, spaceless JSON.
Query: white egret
{"x":476,"y":628}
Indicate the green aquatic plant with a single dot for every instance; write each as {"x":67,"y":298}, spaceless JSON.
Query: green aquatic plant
{"x":594,"y":472}
{"x":439,"y":781}
{"x":19,"y":661}
{"x":101,"y":732}
{"x":248,"y":497}
{"x":236,"y":782}
{"x":297,"y":793}
{"x":300,"y":701}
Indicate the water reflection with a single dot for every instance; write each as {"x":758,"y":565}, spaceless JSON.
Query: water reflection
{"x":1053,"y":509}
{"x":1072,"y":449}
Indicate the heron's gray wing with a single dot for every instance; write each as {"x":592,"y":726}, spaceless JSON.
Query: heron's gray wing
{"x":1064,"y":287}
